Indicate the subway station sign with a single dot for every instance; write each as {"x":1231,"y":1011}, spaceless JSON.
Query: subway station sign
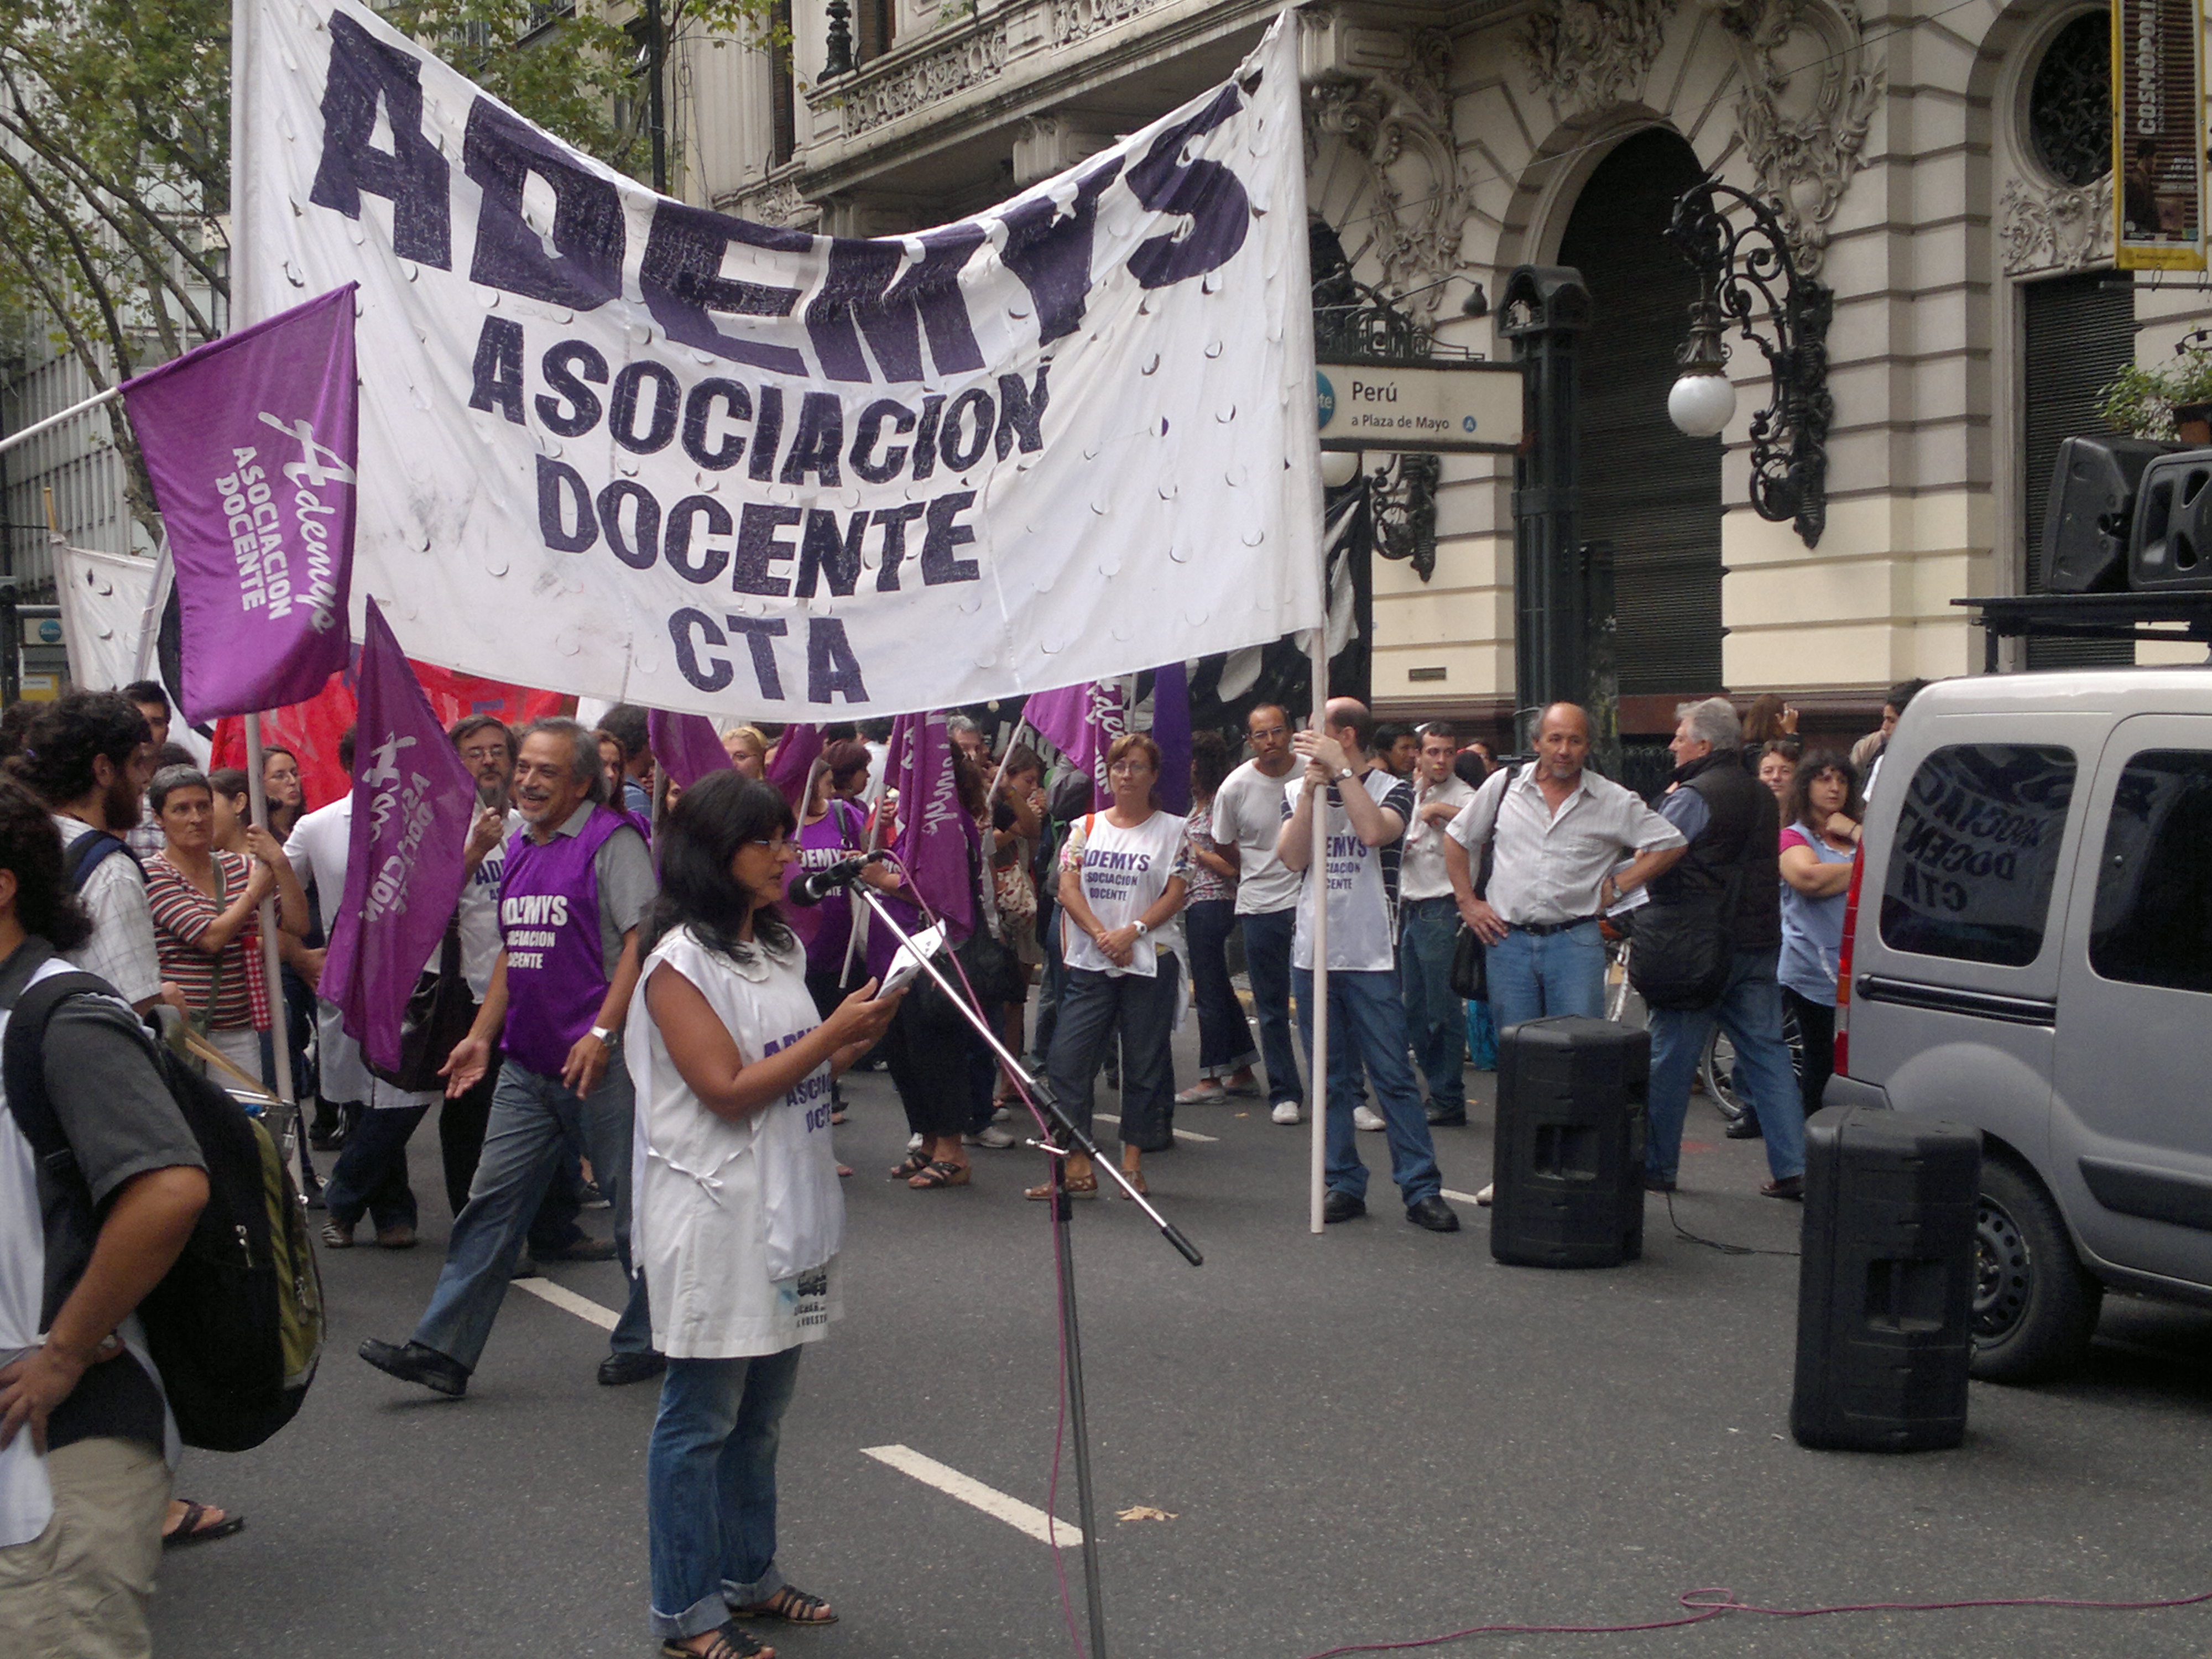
{"x":1470,"y":407}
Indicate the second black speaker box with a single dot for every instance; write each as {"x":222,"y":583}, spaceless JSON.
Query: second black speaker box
{"x":2090,"y":510}
{"x":1567,"y":1163}
{"x":1885,"y":1289}
{"x":2172,"y":547}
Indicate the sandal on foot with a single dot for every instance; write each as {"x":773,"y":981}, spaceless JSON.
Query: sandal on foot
{"x":1082,"y":1186}
{"x":942,"y":1173}
{"x":731,"y":1641}
{"x":1136,"y":1178}
{"x":914,"y":1165}
{"x":193,"y":1526}
{"x":792,"y":1606}
{"x":1200,"y":1094}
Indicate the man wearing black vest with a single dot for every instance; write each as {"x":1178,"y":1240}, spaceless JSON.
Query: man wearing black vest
{"x":1735,"y":834}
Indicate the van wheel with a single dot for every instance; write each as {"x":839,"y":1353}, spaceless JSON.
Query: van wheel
{"x":2034,"y":1305}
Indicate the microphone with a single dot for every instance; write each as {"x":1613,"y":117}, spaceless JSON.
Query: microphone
{"x":818,"y":884}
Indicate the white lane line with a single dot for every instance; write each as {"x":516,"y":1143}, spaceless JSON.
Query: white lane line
{"x":567,"y":1300}
{"x":1179,"y":1134}
{"x":989,"y":1500}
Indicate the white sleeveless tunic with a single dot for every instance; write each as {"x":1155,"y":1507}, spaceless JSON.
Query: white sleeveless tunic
{"x":736,"y":1226}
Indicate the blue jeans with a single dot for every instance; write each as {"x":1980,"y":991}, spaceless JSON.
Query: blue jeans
{"x":1367,"y":1026}
{"x":710,"y":1489}
{"x":1224,"y":1036}
{"x":1533,"y":975}
{"x":1481,"y":1037}
{"x":371,"y":1174}
{"x":1435,"y":1020}
{"x":1268,"y":965}
{"x":1750,"y":1011}
{"x":534,"y":1118}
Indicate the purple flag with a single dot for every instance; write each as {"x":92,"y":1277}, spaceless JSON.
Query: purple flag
{"x":686,"y":745}
{"x":413,"y":802}
{"x":935,"y":833}
{"x":1171,"y":730}
{"x":250,"y":441}
{"x":793,"y":763}
{"x":1081,"y":721}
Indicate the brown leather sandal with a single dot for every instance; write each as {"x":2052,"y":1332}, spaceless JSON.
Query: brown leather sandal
{"x":1082,"y":1186}
{"x":942,"y":1173}
{"x":792,"y":1606}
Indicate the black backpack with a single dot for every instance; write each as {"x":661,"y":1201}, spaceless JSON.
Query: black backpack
{"x":88,"y":851}
{"x":235,"y":1328}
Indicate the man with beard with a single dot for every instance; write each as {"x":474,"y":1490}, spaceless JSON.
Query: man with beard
{"x":578,"y":885}
{"x":88,"y":756}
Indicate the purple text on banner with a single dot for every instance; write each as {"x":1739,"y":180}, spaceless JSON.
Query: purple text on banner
{"x":413,"y":803}
{"x":250,"y":441}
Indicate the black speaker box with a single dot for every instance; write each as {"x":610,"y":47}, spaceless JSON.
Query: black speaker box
{"x":1567,"y":1164}
{"x":2172,"y":547}
{"x":1885,"y":1289}
{"x":2091,"y":508}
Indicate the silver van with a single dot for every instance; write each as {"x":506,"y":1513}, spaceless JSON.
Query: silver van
{"x":2029,"y":951}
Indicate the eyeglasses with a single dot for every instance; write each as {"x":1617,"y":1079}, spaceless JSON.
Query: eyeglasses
{"x":495,"y":752}
{"x":1127,"y":766}
{"x":780,"y":845}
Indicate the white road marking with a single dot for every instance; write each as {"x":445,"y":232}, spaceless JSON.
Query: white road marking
{"x":1179,"y":1134}
{"x":567,"y":1300}
{"x":994,"y":1503}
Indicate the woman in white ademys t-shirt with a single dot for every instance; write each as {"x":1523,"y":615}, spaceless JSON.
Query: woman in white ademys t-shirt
{"x":1121,"y":889}
{"x":737,"y":1219}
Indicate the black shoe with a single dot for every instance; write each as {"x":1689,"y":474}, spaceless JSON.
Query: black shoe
{"x":584,"y":1249}
{"x":416,"y":1364}
{"x":1433,"y":1213}
{"x":1341,"y":1206}
{"x":1790,"y":1187}
{"x":1446,"y":1120}
{"x":617,"y":1369}
{"x":1745,"y":1128}
{"x":1652,"y":1183}
{"x":524,"y":1268}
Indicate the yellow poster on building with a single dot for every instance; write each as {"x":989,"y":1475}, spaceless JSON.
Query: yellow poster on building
{"x":2157,"y":135}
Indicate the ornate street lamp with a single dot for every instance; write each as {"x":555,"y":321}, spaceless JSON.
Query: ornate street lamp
{"x":1746,"y":274}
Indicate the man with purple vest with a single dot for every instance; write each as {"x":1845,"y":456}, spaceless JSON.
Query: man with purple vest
{"x":578,"y":884}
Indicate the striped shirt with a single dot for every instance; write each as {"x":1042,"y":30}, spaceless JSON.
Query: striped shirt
{"x":181,"y":915}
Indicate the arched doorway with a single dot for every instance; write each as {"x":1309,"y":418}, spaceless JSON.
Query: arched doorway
{"x":1652,"y":493}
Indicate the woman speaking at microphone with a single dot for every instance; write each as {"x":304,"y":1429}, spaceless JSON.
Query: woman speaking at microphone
{"x":738,"y":1218}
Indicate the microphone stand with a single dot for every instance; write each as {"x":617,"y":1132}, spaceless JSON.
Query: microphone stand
{"x":1068,"y":1137}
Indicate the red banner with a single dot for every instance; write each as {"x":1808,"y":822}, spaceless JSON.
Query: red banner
{"x":311,"y":730}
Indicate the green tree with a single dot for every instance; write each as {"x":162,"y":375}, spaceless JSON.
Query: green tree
{"x":115,"y":149}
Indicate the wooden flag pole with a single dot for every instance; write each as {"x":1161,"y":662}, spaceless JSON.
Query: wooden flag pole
{"x":271,"y":966}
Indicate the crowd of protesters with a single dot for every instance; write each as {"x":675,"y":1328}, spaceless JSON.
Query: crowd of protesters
{"x":669,"y":1046}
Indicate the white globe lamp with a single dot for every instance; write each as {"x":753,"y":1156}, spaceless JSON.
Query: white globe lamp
{"x":1702,"y":403}
{"x":1338,"y":467}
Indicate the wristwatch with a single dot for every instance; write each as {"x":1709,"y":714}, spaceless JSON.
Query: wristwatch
{"x":1345,"y":773}
{"x":1142,"y":930}
{"x":606,"y":1034}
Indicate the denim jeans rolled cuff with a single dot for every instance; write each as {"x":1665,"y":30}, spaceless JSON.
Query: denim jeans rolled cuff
{"x":1267,"y":938}
{"x":711,"y":1488}
{"x":1367,"y":1028}
{"x":1224,"y":1036}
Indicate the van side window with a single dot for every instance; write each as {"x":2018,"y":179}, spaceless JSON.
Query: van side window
{"x":1976,"y":852}
{"x":2153,"y":923}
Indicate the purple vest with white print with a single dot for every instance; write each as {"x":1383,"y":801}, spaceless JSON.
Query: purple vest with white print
{"x":549,"y":920}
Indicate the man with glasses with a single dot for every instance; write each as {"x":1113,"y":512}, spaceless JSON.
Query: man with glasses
{"x":577,"y":885}
{"x":1247,"y":816}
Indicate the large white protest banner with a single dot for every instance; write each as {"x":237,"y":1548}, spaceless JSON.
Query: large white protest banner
{"x":616,"y":444}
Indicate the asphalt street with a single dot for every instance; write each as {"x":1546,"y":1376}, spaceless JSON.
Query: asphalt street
{"x":1377,"y":1435}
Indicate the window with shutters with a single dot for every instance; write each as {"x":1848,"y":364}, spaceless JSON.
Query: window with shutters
{"x":2079,"y":332}
{"x":1651,"y":492}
